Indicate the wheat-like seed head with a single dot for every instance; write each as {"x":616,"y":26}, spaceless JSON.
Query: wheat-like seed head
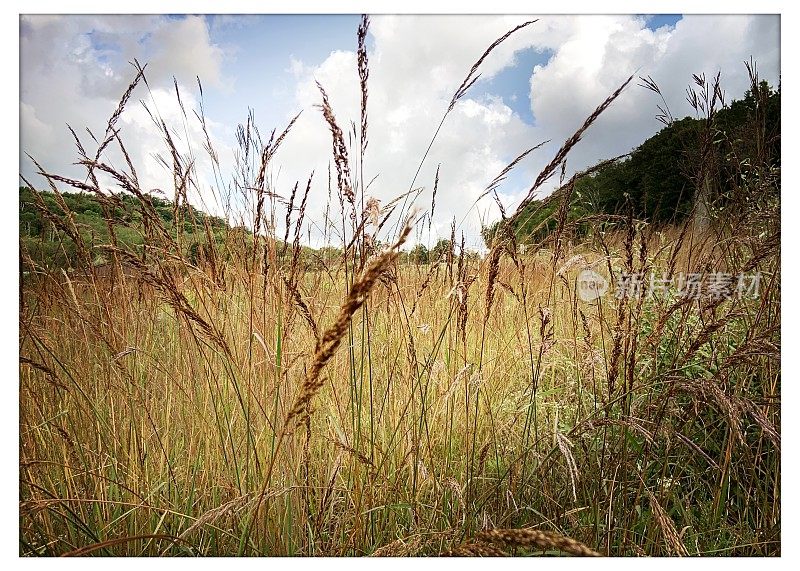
{"x":332,"y":337}
{"x":488,"y":543}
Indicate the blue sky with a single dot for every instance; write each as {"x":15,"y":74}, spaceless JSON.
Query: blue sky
{"x":655,"y":21}
{"x":537,"y":86}
{"x":259,"y":52}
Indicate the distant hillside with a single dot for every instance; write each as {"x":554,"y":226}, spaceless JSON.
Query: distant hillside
{"x":658,"y":180}
{"x":48,"y":246}
{"x":43,"y":239}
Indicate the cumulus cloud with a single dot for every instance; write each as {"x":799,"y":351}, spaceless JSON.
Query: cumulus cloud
{"x":416,"y":63}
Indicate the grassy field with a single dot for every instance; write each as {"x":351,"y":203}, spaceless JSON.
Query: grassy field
{"x":246,"y":402}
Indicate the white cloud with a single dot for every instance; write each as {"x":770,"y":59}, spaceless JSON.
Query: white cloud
{"x":183,"y":48}
{"x":296,"y":67}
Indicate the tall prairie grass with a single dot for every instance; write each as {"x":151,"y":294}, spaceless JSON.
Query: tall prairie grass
{"x":248,"y":402}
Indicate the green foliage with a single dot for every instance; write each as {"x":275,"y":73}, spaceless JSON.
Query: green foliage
{"x":440,"y":250}
{"x":48,"y":245}
{"x":419,"y":254}
{"x":657,"y":178}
